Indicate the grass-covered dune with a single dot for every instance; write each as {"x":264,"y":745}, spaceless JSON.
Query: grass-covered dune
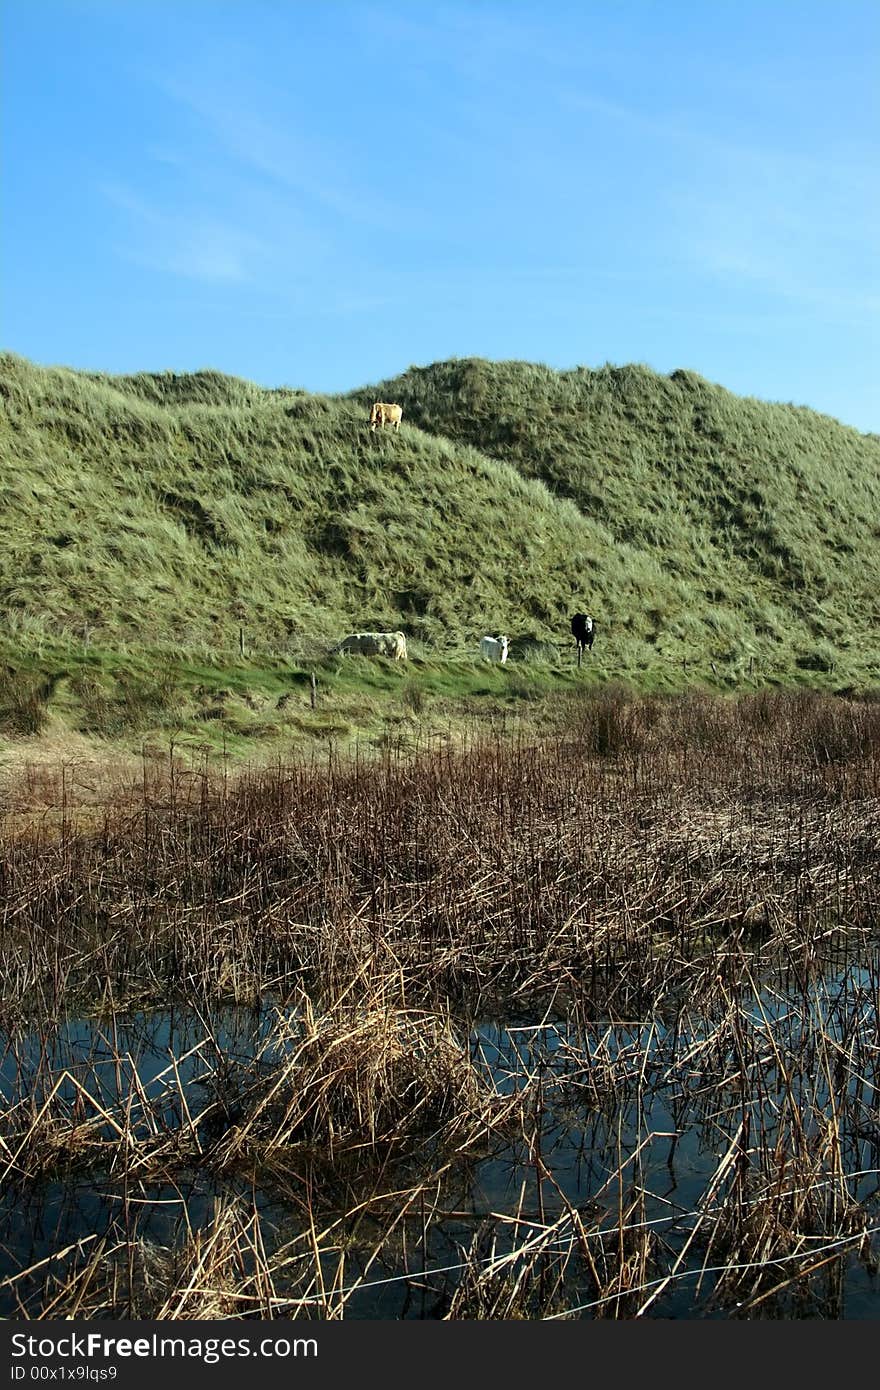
{"x":714,"y":538}
{"x":741,"y":525}
{"x":162,"y":509}
{"x":158,"y":508}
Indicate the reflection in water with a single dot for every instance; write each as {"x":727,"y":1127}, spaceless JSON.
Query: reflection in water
{"x":667,"y":1125}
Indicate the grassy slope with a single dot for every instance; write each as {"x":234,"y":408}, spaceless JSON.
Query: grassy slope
{"x":763,"y":519}
{"x":161,"y":512}
{"x":161,"y":509}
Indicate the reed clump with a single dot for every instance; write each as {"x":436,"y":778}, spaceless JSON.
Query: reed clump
{"x":376,"y":1075}
{"x":218,"y":1271}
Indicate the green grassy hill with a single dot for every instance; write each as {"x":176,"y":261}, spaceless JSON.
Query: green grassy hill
{"x":164,"y":513}
{"x":764,"y":520}
{"x":155,"y":509}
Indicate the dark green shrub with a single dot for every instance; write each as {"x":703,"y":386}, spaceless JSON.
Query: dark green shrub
{"x":24,"y":697}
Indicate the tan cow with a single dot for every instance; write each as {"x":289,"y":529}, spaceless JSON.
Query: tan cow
{"x":383,"y":414}
{"x":390,"y":644}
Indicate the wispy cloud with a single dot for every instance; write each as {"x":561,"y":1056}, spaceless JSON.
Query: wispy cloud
{"x":802,"y":234}
{"x":799,"y":226}
{"x":286,"y":156}
{"x":190,"y":245}
{"x":477,"y":41}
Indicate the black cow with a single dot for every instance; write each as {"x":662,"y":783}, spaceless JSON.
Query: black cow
{"x":584,"y":630}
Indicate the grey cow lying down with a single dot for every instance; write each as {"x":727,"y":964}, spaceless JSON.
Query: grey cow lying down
{"x":390,"y":644}
{"x":494,"y":648}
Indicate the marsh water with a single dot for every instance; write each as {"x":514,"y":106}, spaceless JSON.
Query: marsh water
{"x":633,"y":1123}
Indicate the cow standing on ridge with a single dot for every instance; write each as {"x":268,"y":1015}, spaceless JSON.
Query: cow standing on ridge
{"x":384,"y":413}
{"x":584,"y":630}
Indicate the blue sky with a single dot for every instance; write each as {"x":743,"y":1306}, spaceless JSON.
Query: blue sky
{"x":320,"y":194}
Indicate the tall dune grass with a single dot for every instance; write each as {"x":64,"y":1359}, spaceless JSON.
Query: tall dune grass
{"x":161,"y":510}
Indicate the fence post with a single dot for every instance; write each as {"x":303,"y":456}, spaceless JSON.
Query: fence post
{"x":241,"y":640}
{"x":313,"y":693}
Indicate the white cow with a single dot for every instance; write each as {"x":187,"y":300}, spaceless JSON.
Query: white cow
{"x":494,"y":649}
{"x":391,"y":644}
